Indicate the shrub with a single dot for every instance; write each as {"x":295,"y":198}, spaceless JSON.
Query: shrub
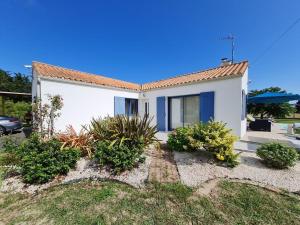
{"x":134,"y":130}
{"x":120,"y":141}
{"x":17,"y":109}
{"x":277,"y":155}
{"x":9,"y":159}
{"x":212,"y":136}
{"x":179,"y":139}
{"x":71,"y":139}
{"x":118,"y":157}
{"x":42,"y":160}
{"x":216,"y":138}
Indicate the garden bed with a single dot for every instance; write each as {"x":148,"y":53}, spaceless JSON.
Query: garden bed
{"x":197,"y":168}
{"x":85,"y":169}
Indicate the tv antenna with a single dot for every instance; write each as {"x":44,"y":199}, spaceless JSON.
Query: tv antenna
{"x":231,"y":38}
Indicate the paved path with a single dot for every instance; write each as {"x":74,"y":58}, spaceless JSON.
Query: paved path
{"x":163,"y":168}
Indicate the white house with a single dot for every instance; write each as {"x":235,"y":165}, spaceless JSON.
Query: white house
{"x":218,"y":93}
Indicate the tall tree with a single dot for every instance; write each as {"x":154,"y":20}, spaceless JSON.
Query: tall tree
{"x":16,"y":82}
{"x":280,"y":110}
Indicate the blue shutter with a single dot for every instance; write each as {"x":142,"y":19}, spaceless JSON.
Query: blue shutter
{"x":207,"y":106}
{"x":119,"y":106}
{"x":161,"y":113}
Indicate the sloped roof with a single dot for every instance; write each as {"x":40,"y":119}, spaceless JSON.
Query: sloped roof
{"x":47,"y":70}
{"x":226,"y":71}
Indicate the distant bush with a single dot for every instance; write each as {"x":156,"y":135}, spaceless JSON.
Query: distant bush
{"x":179,"y":139}
{"x":119,"y":157}
{"x":17,"y":109}
{"x":277,"y":155}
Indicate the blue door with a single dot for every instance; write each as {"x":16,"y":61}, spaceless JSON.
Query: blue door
{"x":161,"y":113}
{"x":207,"y":106}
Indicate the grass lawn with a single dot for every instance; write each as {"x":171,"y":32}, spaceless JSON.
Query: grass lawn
{"x":297,"y":131}
{"x":115,"y":203}
{"x":288,"y":120}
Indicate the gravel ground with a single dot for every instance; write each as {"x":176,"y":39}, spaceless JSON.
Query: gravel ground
{"x":85,"y":169}
{"x":88,"y":169}
{"x":197,"y":168}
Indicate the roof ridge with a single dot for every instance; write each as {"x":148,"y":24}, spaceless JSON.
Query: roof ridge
{"x":87,"y":73}
{"x":199,"y":71}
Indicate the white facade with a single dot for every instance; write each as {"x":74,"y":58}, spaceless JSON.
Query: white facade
{"x":228,"y":100}
{"x":83,"y":101}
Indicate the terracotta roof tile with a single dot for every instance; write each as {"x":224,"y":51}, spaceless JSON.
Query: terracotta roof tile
{"x":221,"y":72}
{"x":233,"y":70}
{"x":47,"y":70}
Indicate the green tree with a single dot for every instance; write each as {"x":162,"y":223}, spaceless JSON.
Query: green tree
{"x":280,"y":110}
{"x":16,"y":82}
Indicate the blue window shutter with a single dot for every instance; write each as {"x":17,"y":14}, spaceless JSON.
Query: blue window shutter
{"x":207,"y":106}
{"x":119,"y":106}
{"x":161,"y":113}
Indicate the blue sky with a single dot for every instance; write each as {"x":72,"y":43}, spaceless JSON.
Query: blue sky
{"x":142,"y":41}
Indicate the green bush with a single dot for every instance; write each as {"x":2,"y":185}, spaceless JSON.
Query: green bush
{"x":17,"y":109}
{"x":212,"y":136}
{"x":179,"y":139}
{"x":119,"y":157}
{"x":216,"y":138}
{"x":40,"y":161}
{"x":9,"y":159}
{"x":277,"y":155}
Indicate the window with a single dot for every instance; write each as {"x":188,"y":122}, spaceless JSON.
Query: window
{"x":131,"y":107}
{"x":184,"y":111}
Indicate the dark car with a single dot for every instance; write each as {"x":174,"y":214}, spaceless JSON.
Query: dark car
{"x":9,"y":124}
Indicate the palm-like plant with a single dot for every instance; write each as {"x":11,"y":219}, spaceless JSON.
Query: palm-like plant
{"x":123,"y":129}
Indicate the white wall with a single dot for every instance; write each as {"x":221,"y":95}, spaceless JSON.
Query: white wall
{"x":228,"y":100}
{"x":81,"y":102}
{"x":244,"y":81}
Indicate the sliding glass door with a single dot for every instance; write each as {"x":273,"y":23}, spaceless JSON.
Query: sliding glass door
{"x":176,"y":112}
{"x":183,"y":111}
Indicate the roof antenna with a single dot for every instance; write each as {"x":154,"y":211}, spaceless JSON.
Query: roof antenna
{"x":231,"y":38}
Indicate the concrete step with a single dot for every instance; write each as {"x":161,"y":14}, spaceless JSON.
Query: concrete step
{"x":246,"y":146}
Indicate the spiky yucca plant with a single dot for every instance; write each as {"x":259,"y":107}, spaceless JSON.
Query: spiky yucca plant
{"x":123,"y":129}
